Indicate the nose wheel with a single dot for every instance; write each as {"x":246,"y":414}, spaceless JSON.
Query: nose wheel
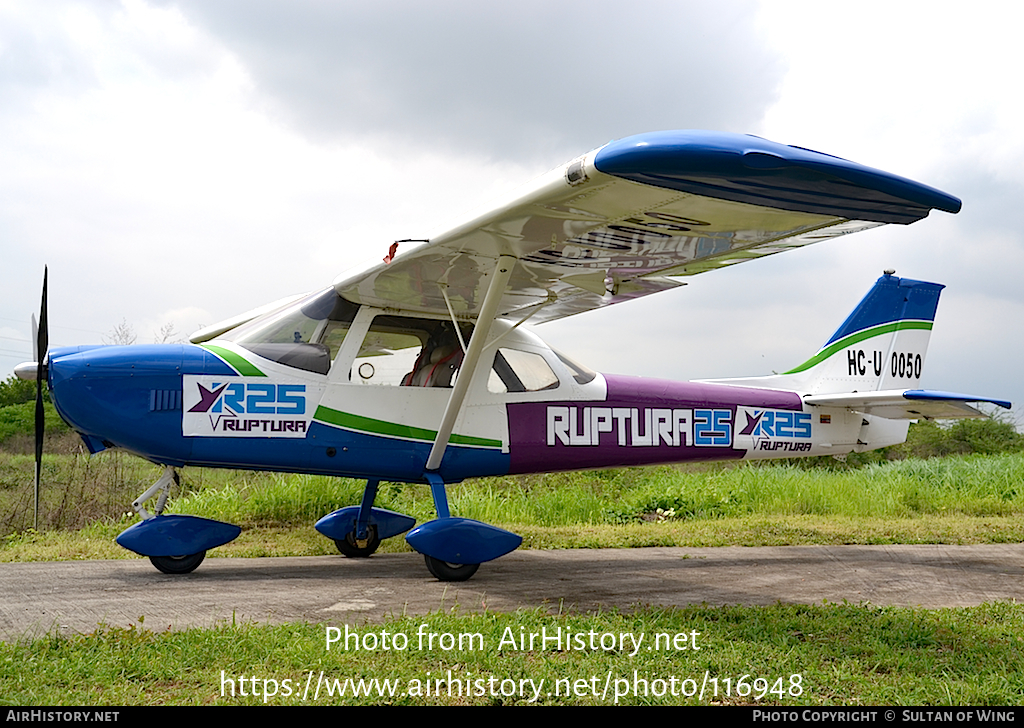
{"x":174,"y":544}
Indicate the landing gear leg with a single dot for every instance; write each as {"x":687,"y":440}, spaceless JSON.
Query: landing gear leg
{"x":443,"y":570}
{"x":174,"y":544}
{"x":363,"y":540}
{"x":358,"y":530}
{"x":186,"y":563}
{"x":448,"y":543}
{"x":163,"y":487}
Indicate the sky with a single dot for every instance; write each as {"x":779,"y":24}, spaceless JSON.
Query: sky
{"x":177,"y":162}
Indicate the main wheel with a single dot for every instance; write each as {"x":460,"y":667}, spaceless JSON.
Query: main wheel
{"x":178,"y":564}
{"x":449,"y":572}
{"x":350,"y":548}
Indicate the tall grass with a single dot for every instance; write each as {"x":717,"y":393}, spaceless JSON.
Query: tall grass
{"x":931,"y":474}
{"x":75,"y":489}
{"x":974,"y":485}
{"x":78,"y":489}
{"x":251,"y":499}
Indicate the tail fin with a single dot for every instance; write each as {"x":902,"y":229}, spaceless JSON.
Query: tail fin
{"x":881,"y":345}
{"x":872,"y":366}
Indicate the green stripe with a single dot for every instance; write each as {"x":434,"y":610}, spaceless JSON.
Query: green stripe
{"x":857,"y":338}
{"x":235,"y":361}
{"x":392,"y":429}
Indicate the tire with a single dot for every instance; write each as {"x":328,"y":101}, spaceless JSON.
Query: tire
{"x":349,"y":548}
{"x":178,"y":564}
{"x":444,"y":571}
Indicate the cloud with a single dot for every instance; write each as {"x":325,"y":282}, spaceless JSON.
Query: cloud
{"x":182,"y":161}
{"x":508,"y":80}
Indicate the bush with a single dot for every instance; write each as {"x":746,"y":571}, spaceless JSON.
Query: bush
{"x":18,"y":420}
{"x":18,"y":391}
{"x":928,"y":439}
{"x":995,"y":435}
{"x":18,"y":411}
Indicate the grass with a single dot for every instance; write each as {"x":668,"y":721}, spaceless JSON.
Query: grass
{"x":97,"y":540}
{"x":778,"y":655}
{"x":811,"y":655}
{"x":964,"y":499}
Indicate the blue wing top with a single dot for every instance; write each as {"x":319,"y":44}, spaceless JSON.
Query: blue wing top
{"x":744,"y":168}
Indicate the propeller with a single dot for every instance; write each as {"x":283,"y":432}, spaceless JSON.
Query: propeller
{"x":41,"y":347}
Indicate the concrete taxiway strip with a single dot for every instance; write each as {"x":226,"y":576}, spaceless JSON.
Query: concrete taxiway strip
{"x":76,"y":596}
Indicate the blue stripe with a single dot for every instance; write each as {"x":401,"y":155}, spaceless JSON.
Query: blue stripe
{"x":928,"y":394}
{"x":892,"y":299}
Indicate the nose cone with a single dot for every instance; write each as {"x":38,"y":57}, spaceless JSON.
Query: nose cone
{"x":125,"y":396}
{"x":27,"y":370}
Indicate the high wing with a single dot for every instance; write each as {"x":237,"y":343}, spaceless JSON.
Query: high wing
{"x":630,"y":218}
{"x":908,"y":404}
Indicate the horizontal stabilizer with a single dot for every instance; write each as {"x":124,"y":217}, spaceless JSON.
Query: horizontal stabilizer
{"x":910,"y":404}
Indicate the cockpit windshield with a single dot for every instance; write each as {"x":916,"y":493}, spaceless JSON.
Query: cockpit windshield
{"x":305,"y":334}
{"x":308,"y":333}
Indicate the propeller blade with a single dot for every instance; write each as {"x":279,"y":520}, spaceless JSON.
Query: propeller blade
{"x":43,"y":333}
{"x":42,"y":344}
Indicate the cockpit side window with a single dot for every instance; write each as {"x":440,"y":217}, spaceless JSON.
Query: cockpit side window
{"x":305,"y":335}
{"x":520,"y":371}
{"x":409,"y":352}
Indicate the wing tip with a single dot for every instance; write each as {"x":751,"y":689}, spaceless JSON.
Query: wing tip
{"x":750,"y":169}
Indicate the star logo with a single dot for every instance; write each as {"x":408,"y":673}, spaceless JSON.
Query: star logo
{"x":207,"y":398}
{"x":752,"y":422}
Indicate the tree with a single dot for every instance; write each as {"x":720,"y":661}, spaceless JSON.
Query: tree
{"x":167,"y":335}
{"x":122,"y":335}
{"x":17,"y":391}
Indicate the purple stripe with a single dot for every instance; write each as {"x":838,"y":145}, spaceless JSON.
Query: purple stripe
{"x":606,"y":434}
{"x":666,"y":393}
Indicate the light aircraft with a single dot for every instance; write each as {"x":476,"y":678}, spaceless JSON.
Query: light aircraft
{"x":417,"y":369}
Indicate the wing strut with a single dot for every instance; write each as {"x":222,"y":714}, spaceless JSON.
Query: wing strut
{"x":451,"y":313}
{"x":488,"y":312}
